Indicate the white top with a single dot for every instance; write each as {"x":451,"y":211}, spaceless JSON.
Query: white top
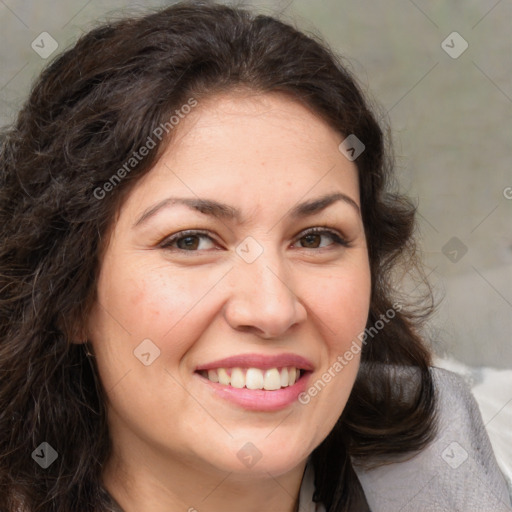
{"x":457,"y":471}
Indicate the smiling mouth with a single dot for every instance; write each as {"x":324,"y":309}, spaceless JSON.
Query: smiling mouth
{"x":270,"y":379}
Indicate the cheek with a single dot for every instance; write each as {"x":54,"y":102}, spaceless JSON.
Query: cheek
{"x":164,"y":305}
{"x":341,"y":307}
{"x":139,"y":303}
{"x":342,"y":304}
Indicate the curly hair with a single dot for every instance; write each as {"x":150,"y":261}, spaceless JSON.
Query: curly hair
{"x":87,"y":114}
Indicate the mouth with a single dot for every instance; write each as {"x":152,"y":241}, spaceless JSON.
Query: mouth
{"x":270,"y":379}
{"x":257,"y":382}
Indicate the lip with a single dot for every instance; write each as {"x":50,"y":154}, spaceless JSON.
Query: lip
{"x":261,"y":361}
{"x":258,"y":399}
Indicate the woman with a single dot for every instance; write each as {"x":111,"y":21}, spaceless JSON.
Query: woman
{"x":198,"y":311}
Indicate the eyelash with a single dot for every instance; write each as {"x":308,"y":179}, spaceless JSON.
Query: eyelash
{"x":320,"y":230}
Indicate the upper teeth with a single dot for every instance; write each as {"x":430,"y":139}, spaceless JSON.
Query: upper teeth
{"x":254,"y":378}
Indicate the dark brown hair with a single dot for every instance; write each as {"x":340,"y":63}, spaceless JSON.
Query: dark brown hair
{"x":87,"y":114}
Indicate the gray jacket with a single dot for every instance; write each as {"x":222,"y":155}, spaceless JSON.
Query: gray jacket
{"x":457,"y":472}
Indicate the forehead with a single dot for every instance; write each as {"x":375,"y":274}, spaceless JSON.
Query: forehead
{"x":248,"y":147}
{"x":256,"y":121}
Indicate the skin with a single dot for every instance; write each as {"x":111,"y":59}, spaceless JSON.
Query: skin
{"x":175,"y":443}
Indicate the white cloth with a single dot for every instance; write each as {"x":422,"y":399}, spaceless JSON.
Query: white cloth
{"x":457,"y":472}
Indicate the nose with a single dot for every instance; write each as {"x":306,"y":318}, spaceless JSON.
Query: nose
{"x":262,"y":299}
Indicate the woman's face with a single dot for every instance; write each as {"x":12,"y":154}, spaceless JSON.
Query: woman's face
{"x":241,"y":252}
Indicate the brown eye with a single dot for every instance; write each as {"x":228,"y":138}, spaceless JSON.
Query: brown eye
{"x":190,"y":241}
{"x":311,"y":241}
{"x":319,"y":238}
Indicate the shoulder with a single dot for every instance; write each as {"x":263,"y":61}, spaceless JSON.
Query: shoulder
{"x":456,"y":471}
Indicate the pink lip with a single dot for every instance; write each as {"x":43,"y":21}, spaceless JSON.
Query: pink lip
{"x":259,"y":399}
{"x":259,"y":361}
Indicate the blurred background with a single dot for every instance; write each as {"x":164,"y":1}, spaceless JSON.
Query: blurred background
{"x":441,"y":73}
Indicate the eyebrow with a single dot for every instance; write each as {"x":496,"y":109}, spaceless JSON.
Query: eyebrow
{"x":225,"y":211}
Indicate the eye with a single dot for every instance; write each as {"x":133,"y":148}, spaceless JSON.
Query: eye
{"x":315,"y":238}
{"x":190,"y":240}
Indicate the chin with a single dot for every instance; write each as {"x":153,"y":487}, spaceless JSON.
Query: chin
{"x":260,"y":457}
